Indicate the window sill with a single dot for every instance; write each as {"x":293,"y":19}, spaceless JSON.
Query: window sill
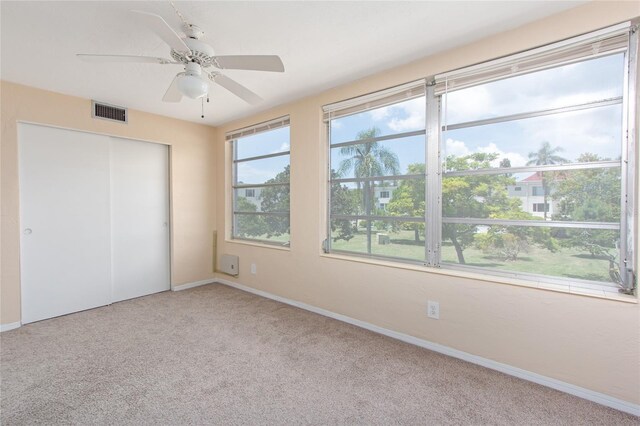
{"x":257,"y":244}
{"x":599,"y":294}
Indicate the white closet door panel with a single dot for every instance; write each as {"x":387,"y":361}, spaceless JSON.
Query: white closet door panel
{"x":65,"y":221}
{"x":140,"y":218}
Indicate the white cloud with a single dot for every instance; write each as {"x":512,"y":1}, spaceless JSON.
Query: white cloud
{"x":597,"y":131}
{"x":459,"y":149}
{"x":414,"y":120}
{"x":249,"y":174}
{"x":515,"y":159}
{"x":465,"y":105}
{"x":380,"y":113}
{"x":284,"y":147}
{"x":412,"y":113}
{"x":553,"y":88}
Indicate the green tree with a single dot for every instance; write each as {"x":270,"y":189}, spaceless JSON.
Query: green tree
{"x":590,"y":195}
{"x":508,"y":242}
{"x":544,"y":156}
{"x":344,"y":201}
{"x":248,"y":225}
{"x":276,"y":199}
{"x":505,"y":163}
{"x":368,"y":159}
{"x":409,"y":199}
{"x":474,"y":196}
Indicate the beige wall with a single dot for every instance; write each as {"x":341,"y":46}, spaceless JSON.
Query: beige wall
{"x":589,"y":342}
{"x":193,"y":180}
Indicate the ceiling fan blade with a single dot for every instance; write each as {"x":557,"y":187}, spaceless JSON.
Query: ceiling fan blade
{"x":271,"y":63}
{"x":173,"y":94}
{"x":158,"y":25}
{"x":237,"y":89}
{"x":90,"y":57}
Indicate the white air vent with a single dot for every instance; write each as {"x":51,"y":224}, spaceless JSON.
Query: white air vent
{"x":229,"y":264}
{"x":109,"y":112}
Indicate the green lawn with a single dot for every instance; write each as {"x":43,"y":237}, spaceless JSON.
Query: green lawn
{"x":402,"y":245}
{"x":283,"y":238}
{"x":566,"y":262}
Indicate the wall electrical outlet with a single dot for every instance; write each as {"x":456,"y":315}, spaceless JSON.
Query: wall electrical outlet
{"x":433,"y":309}
{"x":254,"y":269}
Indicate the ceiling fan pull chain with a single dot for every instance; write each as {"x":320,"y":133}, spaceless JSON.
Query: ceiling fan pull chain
{"x":202,"y":103}
{"x":184,"y":21}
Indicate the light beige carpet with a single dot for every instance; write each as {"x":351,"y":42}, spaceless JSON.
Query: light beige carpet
{"x":217,"y":355}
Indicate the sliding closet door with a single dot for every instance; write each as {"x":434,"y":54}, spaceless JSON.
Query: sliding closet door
{"x":65,"y":221}
{"x":140,"y":218}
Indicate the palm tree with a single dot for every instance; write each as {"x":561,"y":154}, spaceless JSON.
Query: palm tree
{"x":368,"y":159}
{"x":544,"y":156}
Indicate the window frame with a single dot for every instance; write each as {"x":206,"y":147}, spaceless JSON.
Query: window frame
{"x":233,"y":138}
{"x":387,"y":97}
{"x":625,"y":164}
{"x":433,"y":219}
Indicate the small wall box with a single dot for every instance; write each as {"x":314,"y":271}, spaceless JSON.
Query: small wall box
{"x":229,"y":264}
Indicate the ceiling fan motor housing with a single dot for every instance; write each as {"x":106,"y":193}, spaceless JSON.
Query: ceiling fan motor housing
{"x":193,"y":31}
{"x":201,"y":53}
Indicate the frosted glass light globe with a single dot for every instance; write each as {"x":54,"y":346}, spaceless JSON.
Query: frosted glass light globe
{"x":192,"y":86}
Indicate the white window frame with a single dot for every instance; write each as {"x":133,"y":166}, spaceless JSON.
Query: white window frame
{"x":391,"y":96}
{"x":599,"y":43}
{"x":232,"y":138}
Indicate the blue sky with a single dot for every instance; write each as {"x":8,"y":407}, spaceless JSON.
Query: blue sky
{"x":596,"y":130}
{"x":402,"y":117}
{"x":271,"y":142}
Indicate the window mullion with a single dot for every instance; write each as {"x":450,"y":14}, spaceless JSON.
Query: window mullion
{"x":327,"y":246}
{"x":234,"y":219}
{"x":630,"y":122}
{"x":433,"y":180}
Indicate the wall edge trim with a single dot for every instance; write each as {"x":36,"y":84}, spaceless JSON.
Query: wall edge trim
{"x":590,"y":395}
{"x":186,"y":286}
{"x":10,"y":326}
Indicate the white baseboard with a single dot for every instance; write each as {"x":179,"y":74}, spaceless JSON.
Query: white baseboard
{"x":10,"y":326}
{"x":192,"y":285}
{"x":600,"y":398}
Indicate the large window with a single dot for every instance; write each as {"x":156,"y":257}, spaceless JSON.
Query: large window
{"x":261,"y":175}
{"x":519,"y":167}
{"x":377,"y":151}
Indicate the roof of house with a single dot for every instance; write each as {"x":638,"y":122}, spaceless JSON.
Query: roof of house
{"x":536,"y":177}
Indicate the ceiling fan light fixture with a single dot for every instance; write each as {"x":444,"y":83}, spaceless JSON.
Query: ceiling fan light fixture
{"x":192,"y":86}
{"x":197,"y":56}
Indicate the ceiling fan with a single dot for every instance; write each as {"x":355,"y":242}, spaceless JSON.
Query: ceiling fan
{"x":197,"y":57}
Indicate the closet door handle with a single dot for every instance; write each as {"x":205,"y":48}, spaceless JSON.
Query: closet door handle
{"x":27,"y":231}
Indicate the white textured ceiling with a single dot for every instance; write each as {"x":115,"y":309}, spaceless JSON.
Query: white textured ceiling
{"x":322,"y":44}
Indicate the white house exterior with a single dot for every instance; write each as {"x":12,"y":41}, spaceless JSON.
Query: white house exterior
{"x":531,"y":193}
{"x":383,"y":195}
{"x":253,"y":195}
